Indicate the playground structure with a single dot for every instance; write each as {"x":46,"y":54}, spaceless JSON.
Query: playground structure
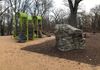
{"x":27,"y":27}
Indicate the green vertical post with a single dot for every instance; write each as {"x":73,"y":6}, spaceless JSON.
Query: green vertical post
{"x":21,"y":22}
{"x":27,"y":30}
{"x":33,"y":29}
{"x":37,"y":26}
{"x":14,"y":30}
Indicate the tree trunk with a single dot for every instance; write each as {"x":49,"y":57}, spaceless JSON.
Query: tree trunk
{"x":73,"y":12}
{"x":2,"y":30}
{"x":73,"y":20}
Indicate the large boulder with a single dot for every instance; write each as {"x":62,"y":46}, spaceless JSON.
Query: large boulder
{"x":68,"y":37}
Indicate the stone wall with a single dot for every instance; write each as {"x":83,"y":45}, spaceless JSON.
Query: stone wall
{"x":68,"y":37}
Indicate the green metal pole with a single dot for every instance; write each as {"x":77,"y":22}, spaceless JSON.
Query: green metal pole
{"x":27,"y":30}
{"x":33,"y":29}
{"x":21,"y":22}
{"x":14,"y":28}
{"x":37,"y":27}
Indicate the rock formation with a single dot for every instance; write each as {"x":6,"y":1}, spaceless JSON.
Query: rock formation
{"x":68,"y":37}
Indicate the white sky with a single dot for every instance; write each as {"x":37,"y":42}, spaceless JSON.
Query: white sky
{"x":87,"y":4}
{"x":58,"y":3}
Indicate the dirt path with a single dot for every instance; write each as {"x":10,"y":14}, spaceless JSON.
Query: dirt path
{"x":41,"y":55}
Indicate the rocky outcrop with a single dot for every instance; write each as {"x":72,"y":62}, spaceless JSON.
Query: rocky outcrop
{"x":68,"y":37}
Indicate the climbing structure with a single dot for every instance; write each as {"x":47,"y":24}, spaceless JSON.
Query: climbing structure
{"x":27,"y":27}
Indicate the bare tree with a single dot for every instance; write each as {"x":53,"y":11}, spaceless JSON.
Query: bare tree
{"x":2,"y":14}
{"x":87,"y":20}
{"x":59,"y":15}
{"x":73,"y":6}
{"x":33,"y":7}
{"x":41,"y":7}
{"x":96,"y":16}
{"x":17,"y":6}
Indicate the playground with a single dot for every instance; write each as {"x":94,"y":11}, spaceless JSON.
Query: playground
{"x":49,"y":35}
{"x":41,"y":54}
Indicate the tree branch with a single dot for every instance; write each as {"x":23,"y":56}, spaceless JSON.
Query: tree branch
{"x":4,"y":11}
{"x":70,"y":5}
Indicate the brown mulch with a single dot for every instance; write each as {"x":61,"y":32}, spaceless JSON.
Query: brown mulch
{"x":41,"y":54}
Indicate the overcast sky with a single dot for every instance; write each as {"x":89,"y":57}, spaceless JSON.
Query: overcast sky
{"x":86,"y":4}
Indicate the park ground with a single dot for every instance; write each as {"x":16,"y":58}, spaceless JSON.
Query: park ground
{"x":42,"y":55}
